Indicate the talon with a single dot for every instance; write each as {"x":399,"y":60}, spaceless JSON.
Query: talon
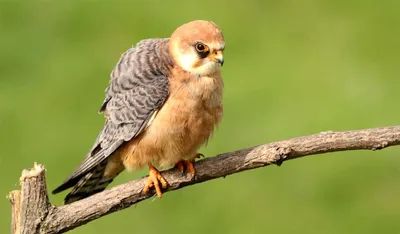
{"x":188,"y":164}
{"x":154,"y":180}
{"x":179,"y":165}
{"x":199,"y":155}
{"x":164,"y":183}
{"x":190,"y":167}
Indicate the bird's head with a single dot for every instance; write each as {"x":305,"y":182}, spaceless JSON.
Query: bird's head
{"x":197,"y":47}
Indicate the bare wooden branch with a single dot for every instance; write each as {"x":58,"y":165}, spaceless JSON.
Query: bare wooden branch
{"x":49,"y":219}
{"x":31,"y":205}
{"x":15,"y":199}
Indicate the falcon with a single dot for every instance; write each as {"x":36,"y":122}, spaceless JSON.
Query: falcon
{"x":163,"y":102}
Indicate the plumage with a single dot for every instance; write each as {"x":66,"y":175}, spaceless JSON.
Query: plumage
{"x":161,"y":105}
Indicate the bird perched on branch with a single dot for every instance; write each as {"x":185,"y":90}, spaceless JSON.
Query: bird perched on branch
{"x":163,"y":102}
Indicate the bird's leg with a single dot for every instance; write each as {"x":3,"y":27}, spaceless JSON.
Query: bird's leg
{"x":155,"y":178}
{"x":180,"y":166}
{"x":188,"y":164}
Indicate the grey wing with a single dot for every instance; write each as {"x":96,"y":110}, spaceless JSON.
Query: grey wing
{"x":138,"y":87}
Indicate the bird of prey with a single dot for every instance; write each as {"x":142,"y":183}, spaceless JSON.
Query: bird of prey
{"x":163,"y":102}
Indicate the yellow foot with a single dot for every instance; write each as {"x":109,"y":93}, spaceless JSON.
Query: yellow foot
{"x":155,"y":178}
{"x":188,"y":164}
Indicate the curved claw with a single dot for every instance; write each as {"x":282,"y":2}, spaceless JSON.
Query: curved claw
{"x":199,"y":155}
{"x":186,"y":164}
{"x":154,"y":180}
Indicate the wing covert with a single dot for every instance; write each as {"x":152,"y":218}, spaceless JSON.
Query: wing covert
{"x":138,"y":87}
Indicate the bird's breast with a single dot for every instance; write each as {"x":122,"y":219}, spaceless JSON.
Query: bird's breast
{"x":185,"y":122}
{"x":193,"y":109}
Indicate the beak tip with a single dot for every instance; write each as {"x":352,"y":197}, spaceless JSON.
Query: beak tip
{"x":221,"y":61}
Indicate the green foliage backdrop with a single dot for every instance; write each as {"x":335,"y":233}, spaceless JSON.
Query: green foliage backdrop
{"x":292,"y":68}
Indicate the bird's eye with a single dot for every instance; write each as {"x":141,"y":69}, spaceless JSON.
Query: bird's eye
{"x":200,"y":47}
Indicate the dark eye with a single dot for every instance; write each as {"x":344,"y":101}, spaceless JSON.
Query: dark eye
{"x":202,"y":50}
{"x":200,"y":47}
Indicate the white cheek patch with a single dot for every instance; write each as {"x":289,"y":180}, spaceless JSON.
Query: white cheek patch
{"x":207,"y":68}
{"x":187,"y":61}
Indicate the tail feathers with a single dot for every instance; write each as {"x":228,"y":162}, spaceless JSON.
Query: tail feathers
{"x":91,"y":183}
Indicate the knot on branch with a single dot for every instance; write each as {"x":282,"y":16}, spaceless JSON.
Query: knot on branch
{"x":280,"y":154}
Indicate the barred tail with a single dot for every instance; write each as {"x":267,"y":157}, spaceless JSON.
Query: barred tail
{"x":91,"y":183}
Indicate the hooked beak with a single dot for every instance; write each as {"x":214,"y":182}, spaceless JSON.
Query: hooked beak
{"x":217,"y":56}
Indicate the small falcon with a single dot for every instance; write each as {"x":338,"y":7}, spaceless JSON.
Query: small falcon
{"x":163,"y":102}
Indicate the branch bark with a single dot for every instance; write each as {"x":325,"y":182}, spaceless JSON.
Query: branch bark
{"x":33,"y":213}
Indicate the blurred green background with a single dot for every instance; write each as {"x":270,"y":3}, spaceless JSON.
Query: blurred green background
{"x":292,"y":68}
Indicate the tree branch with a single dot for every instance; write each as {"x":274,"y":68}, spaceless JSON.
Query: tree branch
{"x":32,"y":212}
